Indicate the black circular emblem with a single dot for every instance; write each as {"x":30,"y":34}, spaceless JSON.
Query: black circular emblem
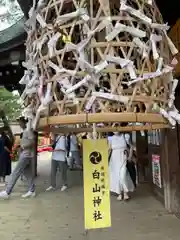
{"x":95,"y":157}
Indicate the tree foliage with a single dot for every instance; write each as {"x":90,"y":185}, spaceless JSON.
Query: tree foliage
{"x":10,"y":104}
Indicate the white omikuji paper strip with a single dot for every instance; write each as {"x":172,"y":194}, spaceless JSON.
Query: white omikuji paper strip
{"x":172,"y":94}
{"x":78,"y":48}
{"x":33,"y":82}
{"x":72,"y":96}
{"x":90,"y":68}
{"x":26,"y":78}
{"x":174,"y":62}
{"x":90,"y":103}
{"x":40,"y":89}
{"x":172,"y":47}
{"x":112,"y":97}
{"x":136,"y":13}
{"x":54,"y":66}
{"x":44,"y":105}
{"x":41,"y":21}
{"x":32,"y":9}
{"x":162,"y":27}
{"x":167,"y":69}
{"x":155,"y":38}
{"x":118,"y":60}
{"x":65,"y":84}
{"x":30,"y":91}
{"x":131,"y":70}
{"x":32,"y":16}
{"x":48,"y":97}
{"x":61,"y":70}
{"x":84,"y":65}
{"x":105,"y":23}
{"x":40,"y":4}
{"x":52,"y":44}
{"x":40,"y":43}
{"x":81,"y":12}
{"x":79,"y":84}
{"x":123,"y":28}
{"x":174,"y":114}
{"x":149,"y":2}
{"x":145,"y":76}
{"x":175,"y":83}
{"x":28,"y":64}
{"x":165,"y":114}
{"x":98,"y":68}
{"x":124,"y":63}
{"x":63,"y":89}
{"x":160,"y":64}
{"x":142,"y":47}
{"x":29,"y":124}
{"x":28,"y":112}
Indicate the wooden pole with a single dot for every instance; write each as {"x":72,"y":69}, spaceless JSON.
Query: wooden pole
{"x":102,"y":118}
{"x":106,"y":129}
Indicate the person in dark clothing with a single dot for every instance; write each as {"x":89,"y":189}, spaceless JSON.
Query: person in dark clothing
{"x":68,"y":143}
{"x":84,"y":137}
{"x":131,"y":165}
{"x":5,"y":157}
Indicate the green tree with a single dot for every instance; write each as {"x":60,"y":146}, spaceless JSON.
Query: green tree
{"x":10,"y":104}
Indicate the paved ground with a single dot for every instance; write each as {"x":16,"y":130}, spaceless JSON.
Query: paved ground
{"x":59,"y":216}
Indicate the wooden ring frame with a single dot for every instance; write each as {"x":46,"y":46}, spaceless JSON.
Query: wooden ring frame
{"x":151,"y":121}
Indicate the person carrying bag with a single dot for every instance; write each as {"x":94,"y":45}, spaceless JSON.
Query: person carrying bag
{"x":131,"y":166}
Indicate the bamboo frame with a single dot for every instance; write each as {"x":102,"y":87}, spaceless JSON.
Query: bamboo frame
{"x":67,"y":130}
{"x":101,"y":118}
{"x":64,"y":54}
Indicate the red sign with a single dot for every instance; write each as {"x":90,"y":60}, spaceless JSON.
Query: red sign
{"x":156,"y":170}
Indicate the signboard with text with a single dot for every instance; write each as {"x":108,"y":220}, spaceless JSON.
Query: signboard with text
{"x":156,"y":170}
{"x":96,"y":184}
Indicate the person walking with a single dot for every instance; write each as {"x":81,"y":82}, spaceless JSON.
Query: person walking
{"x":75,"y":152}
{"x":24,"y":163}
{"x":58,"y":162}
{"x":5,"y":158}
{"x":120,"y":180}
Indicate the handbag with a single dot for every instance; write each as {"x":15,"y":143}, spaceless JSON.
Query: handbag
{"x":109,"y":157}
{"x":130,"y":165}
{"x":55,"y":142}
{"x":126,"y":152}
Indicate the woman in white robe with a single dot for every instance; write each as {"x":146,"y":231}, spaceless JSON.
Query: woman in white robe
{"x":120,"y":180}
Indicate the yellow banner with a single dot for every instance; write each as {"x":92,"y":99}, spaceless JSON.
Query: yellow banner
{"x":96,"y":184}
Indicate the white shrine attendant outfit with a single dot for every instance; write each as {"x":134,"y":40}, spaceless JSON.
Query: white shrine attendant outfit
{"x":120,"y":180}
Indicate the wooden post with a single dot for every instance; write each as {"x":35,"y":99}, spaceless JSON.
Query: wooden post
{"x":171,"y":170}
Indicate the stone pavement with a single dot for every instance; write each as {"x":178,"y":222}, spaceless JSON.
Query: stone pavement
{"x":59,"y":216}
